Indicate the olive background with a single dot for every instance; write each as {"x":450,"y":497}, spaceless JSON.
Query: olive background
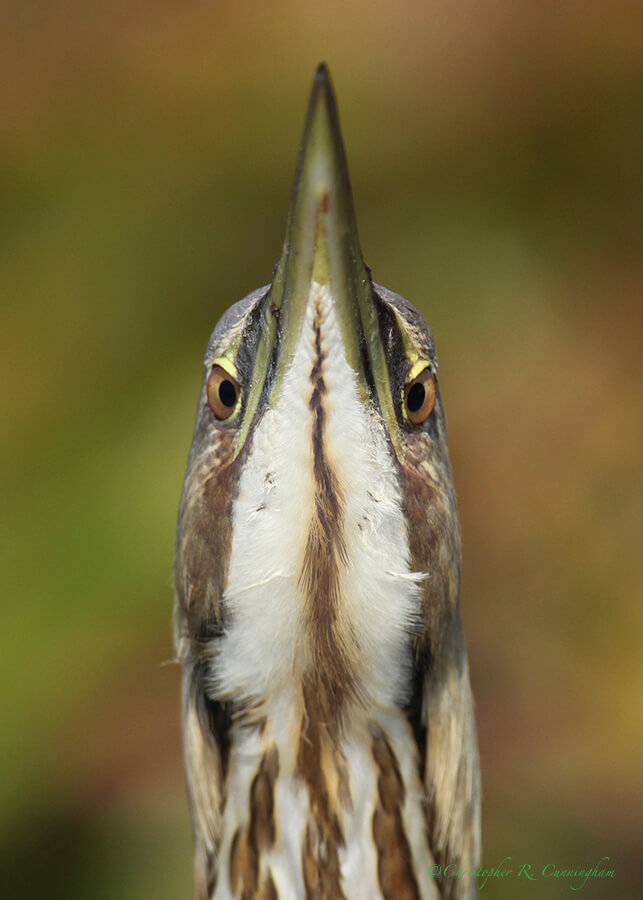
{"x":146,"y":157}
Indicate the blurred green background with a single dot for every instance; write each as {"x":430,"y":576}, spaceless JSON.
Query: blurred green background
{"x":146,"y":156}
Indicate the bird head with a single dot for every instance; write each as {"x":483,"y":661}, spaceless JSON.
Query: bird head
{"x":332,"y":373}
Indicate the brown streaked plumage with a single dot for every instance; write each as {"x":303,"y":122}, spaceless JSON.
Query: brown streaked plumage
{"x":322,"y":768}
{"x":325,"y":553}
{"x":259,"y":835}
{"x":328,"y":723}
{"x":394,"y":863}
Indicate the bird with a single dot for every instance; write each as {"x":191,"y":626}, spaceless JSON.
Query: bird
{"x":328,"y":728}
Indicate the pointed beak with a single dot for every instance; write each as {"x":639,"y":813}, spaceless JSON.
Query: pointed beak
{"x":322,"y":246}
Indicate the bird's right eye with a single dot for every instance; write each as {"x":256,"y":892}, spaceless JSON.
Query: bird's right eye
{"x":223,"y":392}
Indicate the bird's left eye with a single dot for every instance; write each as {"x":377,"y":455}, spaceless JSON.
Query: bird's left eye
{"x":223,"y":392}
{"x":419,"y":397}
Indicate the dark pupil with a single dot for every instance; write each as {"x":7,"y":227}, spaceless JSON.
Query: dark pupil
{"x":227,"y":393}
{"x":415,"y":397}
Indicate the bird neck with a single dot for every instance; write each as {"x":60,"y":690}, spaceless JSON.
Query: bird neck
{"x":319,"y":583}
{"x":323,"y":795}
{"x":324,"y":803}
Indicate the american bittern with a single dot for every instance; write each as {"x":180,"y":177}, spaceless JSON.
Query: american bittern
{"x":330,"y":744}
